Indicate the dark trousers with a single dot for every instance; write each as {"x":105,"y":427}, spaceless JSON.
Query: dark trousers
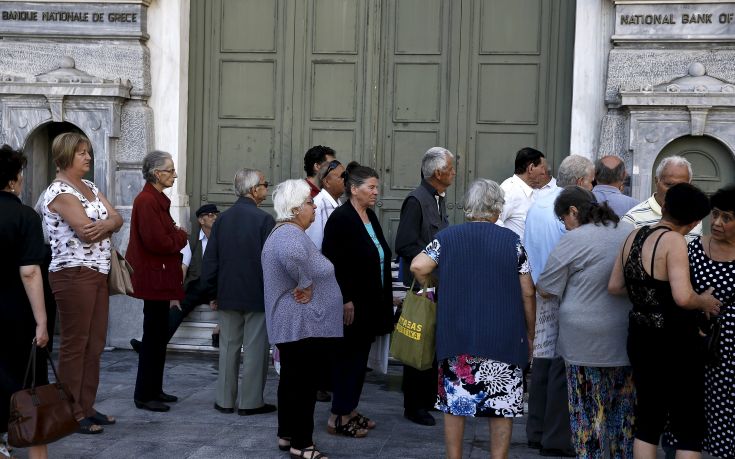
{"x":15,"y":346}
{"x":548,"y":405}
{"x":419,"y":387}
{"x":348,"y":373}
{"x":152,"y":357}
{"x":175,"y":317}
{"x":300,"y":364}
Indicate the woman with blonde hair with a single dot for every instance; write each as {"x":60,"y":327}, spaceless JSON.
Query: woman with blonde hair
{"x":79,"y":221}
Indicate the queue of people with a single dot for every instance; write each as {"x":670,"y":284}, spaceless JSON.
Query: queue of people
{"x":624,"y":309}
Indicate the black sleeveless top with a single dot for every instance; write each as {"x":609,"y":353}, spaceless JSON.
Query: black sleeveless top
{"x":652,"y":299}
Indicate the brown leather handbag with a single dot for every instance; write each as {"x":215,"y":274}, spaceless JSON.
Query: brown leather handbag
{"x":40,"y":415}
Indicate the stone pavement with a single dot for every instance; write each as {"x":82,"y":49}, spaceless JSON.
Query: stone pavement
{"x":193,"y":429}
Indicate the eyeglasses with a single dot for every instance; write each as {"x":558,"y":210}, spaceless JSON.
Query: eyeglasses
{"x":334,"y":164}
{"x":561,"y":217}
{"x":265,"y":184}
{"x":170,"y":171}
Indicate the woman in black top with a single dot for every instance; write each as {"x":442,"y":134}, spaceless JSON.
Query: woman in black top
{"x":354,"y":243}
{"x":663,"y":343}
{"x":22,"y":310}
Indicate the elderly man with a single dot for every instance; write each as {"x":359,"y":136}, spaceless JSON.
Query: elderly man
{"x":670,"y":171}
{"x":610,"y":175}
{"x":423,"y":214}
{"x":547,"y":427}
{"x":331,"y":179}
{"x":530,"y":174}
{"x":313,"y":160}
{"x":232,"y":274}
{"x":547,"y":184}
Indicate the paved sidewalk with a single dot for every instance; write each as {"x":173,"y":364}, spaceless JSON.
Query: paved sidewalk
{"x":193,"y":429}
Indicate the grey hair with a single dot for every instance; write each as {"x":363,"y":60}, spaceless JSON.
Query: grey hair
{"x":244,"y":180}
{"x":606,"y":175}
{"x":152,"y":162}
{"x":484,"y":199}
{"x":434,"y":159}
{"x":674,"y":161}
{"x":289,"y":196}
{"x":573,"y":168}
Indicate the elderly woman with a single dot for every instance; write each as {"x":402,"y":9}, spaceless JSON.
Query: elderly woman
{"x":354,"y":243}
{"x":712,"y":262}
{"x":593,"y":325}
{"x":22,"y":310}
{"x":303,"y":309}
{"x":154,"y":252}
{"x":79,"y":221}
{"x":484,"y":330}
{"x":664,"y":346}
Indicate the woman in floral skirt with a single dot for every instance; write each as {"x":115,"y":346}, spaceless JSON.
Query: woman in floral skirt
{"x":484,"y":330}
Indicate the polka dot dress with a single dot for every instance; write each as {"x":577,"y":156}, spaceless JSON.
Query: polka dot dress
{"x":719,"y":396}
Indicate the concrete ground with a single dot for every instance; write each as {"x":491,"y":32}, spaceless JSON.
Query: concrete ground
{"x":193,"y":429}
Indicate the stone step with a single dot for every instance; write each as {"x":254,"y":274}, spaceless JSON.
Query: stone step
{"x":195,"y":336}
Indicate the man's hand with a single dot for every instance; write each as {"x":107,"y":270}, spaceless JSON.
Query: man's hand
{"x":174,"y":304}
{"x":213,"y":305}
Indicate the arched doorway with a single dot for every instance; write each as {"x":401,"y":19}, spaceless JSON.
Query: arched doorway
{"x":713,"y":165}
{"x":41,"y":169}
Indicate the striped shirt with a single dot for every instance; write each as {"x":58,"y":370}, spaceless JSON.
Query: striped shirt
{"x":648,"y":213}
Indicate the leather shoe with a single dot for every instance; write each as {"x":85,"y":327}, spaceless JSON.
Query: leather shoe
{"x":135,"y":344}
{"x":420,"y":416}
{"x":222,"y":409}
{"x":267,"y":408}
{"x":164,"y":397}
{"x":152,"y":405}
{"x":552,"y":452}
{"x":534,"y":444}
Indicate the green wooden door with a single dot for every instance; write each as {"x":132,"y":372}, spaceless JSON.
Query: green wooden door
{"x":380,"y":81}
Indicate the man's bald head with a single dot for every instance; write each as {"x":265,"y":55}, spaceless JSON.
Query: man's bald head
{"x":610,"y":170}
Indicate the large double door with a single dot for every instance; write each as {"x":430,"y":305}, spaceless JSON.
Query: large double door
{"x":380,"y":81}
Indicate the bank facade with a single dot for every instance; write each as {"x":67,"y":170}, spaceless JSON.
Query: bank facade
{"x":225,"y":84}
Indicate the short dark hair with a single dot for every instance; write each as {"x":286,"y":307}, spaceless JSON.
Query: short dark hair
{"x":685,"y":203}
{"x":724,"y":199}
{"x":589,"y":210}
{"x":356,"y":175}
{"x":11,"y":163}
{"x":605,"y":175}
{"x":526,"y":156}
{"x":315,"y":155}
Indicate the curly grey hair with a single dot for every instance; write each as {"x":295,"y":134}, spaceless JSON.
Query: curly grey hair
{"x":674,"y":161}
{"x":434,"y":159}
{"x":288,"y":197}
{"x":573,"y":168}
{"x":152,"y":162}
{"x":244,"y":180}
{"x":484,"y":199}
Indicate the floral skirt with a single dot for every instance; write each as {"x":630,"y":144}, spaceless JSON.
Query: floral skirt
{"x":480,"y":387}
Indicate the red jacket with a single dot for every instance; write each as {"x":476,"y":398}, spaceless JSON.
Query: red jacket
{"x":154,"y":248}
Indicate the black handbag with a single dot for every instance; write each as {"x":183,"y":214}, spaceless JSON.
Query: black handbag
{"x":40,"y":415}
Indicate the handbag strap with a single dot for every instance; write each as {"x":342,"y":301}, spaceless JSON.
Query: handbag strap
{"x":31,"y":363}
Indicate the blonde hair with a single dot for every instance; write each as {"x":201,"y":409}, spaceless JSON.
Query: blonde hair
{"x":65,"y":146}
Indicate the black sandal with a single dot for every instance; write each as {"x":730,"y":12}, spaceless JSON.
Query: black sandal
{"x":88,"y":427}
{"x":315,"y":454}
{"x":102,"y":419}
{"x":284,"y":443}
{"x":351,"y":429}
{"x":365,"y":422}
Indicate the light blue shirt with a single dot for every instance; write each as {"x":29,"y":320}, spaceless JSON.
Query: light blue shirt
{"x":620,"y":203}
{"x":376,"y":241}
{"x":542,"y":233}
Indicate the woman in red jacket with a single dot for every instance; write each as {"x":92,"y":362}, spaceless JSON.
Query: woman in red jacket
{"x":154,"y":253}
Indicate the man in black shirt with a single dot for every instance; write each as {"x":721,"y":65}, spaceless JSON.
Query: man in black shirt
{"x":423,"y":214}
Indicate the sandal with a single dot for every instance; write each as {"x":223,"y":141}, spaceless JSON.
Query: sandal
{"x":284,"y":443}
{"x":88,"y":427}
{"x":365,"y":422}
{"x":311,"y":449}
{"x":351,"y":429}
{"x":102,"y":419}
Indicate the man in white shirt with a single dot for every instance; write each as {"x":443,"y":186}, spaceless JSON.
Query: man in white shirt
{"x":548,"y":184}
{"x":331,"y":178}
{"x":530,"y":172}
{"x":670,"y":171}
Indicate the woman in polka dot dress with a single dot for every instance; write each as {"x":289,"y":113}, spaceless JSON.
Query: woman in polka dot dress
{"x":712,"y":260}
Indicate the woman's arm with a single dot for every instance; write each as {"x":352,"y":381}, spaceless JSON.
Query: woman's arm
{"x":150,"y":226}
{"x":677,"y":267}
{"x":102,"y":229}
{"x":616,"y":284}
{"x":71,"y":210}
{"x":32,"y":282}
{"x":421,"y":267}
{"x":528,"y":292}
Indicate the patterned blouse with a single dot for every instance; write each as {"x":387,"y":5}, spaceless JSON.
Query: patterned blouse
{"x":67,"y":250}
